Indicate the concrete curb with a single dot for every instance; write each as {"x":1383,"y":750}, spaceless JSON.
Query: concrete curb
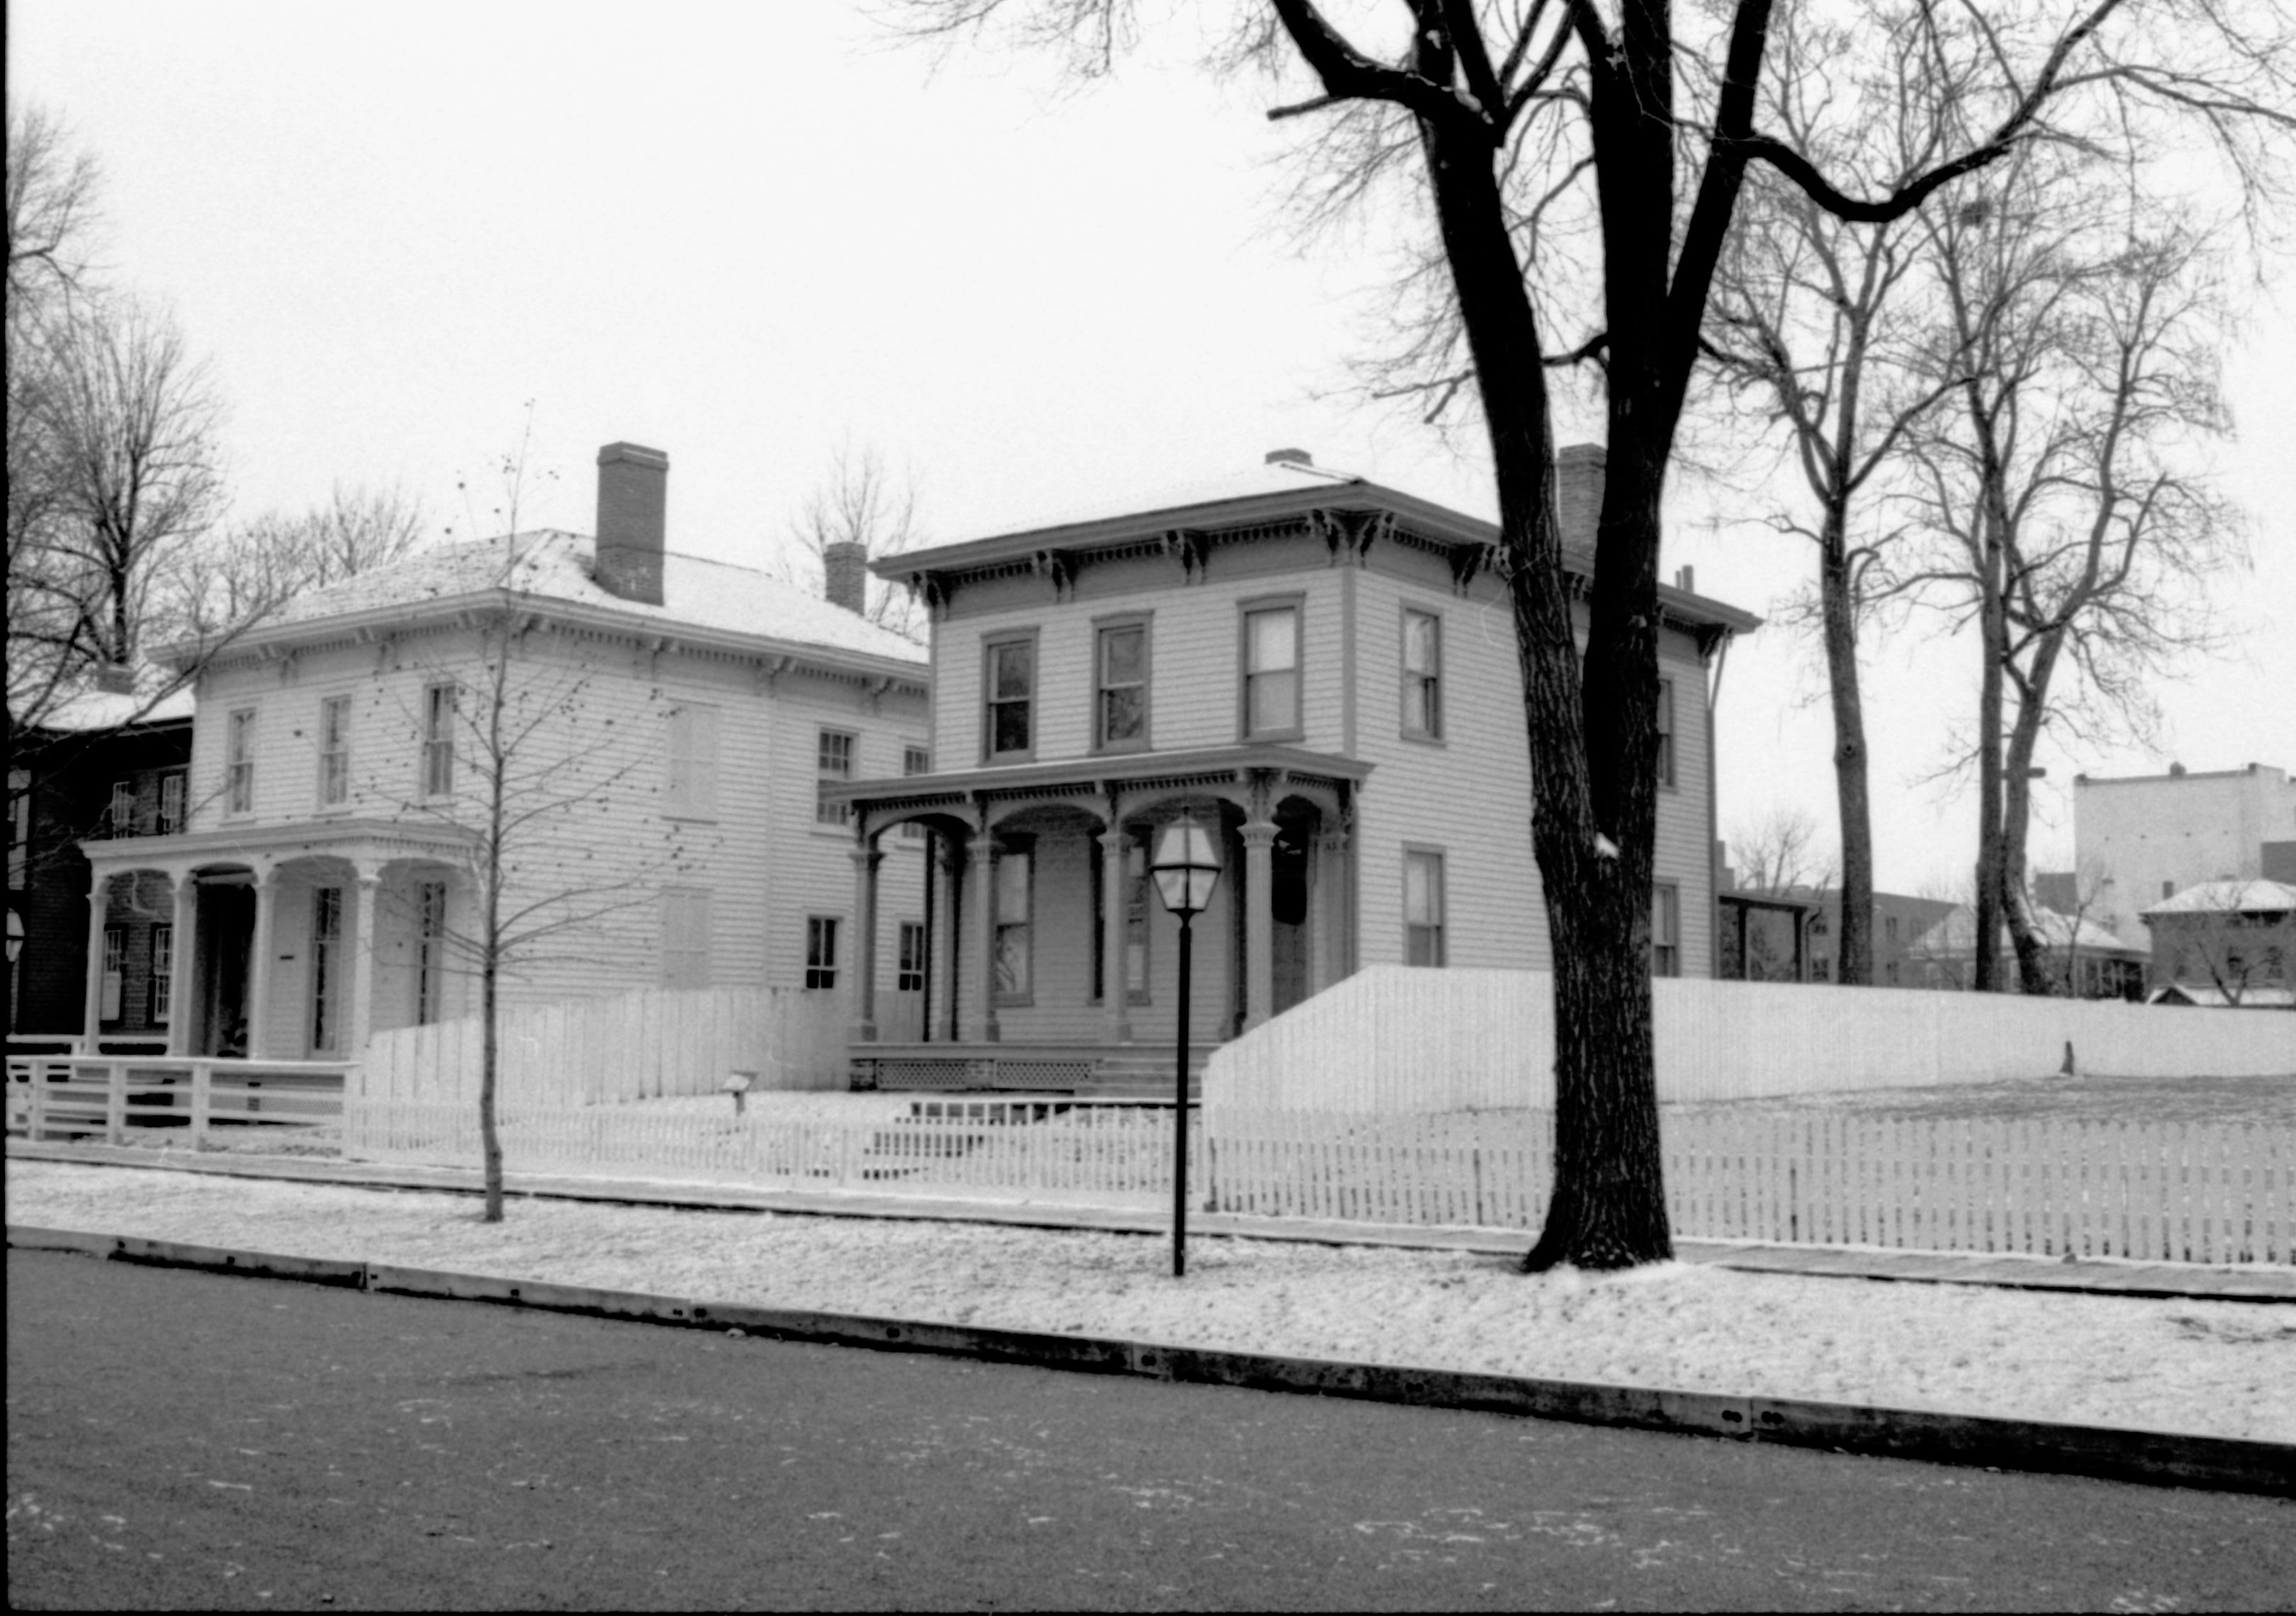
{"x":2126,"y":1453}
{"x":2151,"y":1281}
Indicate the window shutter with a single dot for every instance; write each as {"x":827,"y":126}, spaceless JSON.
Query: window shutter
{"x":703,"y":762}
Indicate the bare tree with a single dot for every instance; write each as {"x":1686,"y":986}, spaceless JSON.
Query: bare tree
{"x":250,"y":567}
{"x":52,"y":205}
{"x":2079,"y":333}
{"x":860,"y":512}
{"x":1471,"y":106}
{"x":2236,"y":935}
{"x":1779,"y":851}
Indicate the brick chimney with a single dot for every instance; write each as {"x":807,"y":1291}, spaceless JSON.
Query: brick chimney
{"x":845,"y":575}
{"x":1578,"y":493}
{"x":633,"y":497}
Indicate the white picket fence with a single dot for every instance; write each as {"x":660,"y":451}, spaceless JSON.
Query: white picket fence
{"x":1391,"y":1039}
{"x":1098,"y":1154}
{"x":631,"y":1046}
{"x":2208,"y":1192}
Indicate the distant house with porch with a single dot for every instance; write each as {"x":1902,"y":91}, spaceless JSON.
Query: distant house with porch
{"x":2225,"y":943}
{"x":104,"y":764}
{"x":672,"y":720}
{"x":1324,"y":666}
{"x":2083,"y":959}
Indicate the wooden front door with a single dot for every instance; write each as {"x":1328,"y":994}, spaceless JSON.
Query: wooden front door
{"x":1287,"y":899}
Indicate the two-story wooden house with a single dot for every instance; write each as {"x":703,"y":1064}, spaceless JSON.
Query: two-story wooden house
{"x":1325,"y":666}
{"x":663,"y":725}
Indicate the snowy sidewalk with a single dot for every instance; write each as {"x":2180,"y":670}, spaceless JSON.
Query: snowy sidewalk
{"x":2102,"y":1277}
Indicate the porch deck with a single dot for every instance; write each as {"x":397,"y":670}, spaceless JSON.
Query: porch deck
{"x":1099,"y":1072}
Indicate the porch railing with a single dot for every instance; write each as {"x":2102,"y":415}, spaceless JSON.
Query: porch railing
{"x":83,"y":1097}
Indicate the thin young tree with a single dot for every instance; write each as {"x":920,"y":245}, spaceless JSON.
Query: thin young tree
{"x":860,"y":512}
{"x":248,"y":567}
{"x":1480,"y":103}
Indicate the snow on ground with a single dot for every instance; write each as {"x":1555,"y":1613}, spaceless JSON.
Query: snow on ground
{"x":2223,"y":1368}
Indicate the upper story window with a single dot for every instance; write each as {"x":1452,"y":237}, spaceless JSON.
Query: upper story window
{"x":1120,"y":696}
{"x":171,"y":802}
{"x":1666,"y":733}
{"x":1422,"y":908}
{"x":1422,"y":675}
{"x":334,"y":751}
{"x":1271,"y":672}
{"x":834,"y":763}
{"x":239,"y":762}
{"x":1010,"y":677}
{"x":1666,"y":930}
{"x":690,"y":785}
{"x":119,"y":817}
{"x":438,"y":706}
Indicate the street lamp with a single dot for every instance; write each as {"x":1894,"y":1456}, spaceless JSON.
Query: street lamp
{"x":1186,"y":867}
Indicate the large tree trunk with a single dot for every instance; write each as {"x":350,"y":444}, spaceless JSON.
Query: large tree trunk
{"x":1993,"y":629}
{"x":1851,"y":800}
{"x":2033,"y":973}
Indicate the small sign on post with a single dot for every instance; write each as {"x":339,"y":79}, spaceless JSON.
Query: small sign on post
{"x":737,"y":1085}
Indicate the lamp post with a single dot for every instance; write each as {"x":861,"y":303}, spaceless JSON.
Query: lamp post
{"x":1186,"y":867}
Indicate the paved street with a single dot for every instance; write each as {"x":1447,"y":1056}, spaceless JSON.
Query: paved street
{"x":192,"y":1441}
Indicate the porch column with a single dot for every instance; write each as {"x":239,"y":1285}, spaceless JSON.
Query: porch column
{"x":262,"y":960}
{"x":1330,"y":908}
{"x":363,"y":963}
{"x":1259,"y":923}
{"x":981,"y":905}
{"x":866,"y":858}
{"x":182,"y":995}
{"x":947,"y":961}
{"x":99,"y":911}
{"x":1115,"y":933}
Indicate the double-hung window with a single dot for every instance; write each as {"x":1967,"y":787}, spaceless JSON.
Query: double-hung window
{"x":1423,"y":676}
{"x":239,"y":763}
{"x":1423,"y":907}
{"x":163,"y":973}
{"x":334,"y":751}
{"x":115,"y":970}
{"x":1009,"y":720}
{"x":834,"y":765}
{"x":1666,"y":733}
{"x":1666,"y":930}
{"x":326,"y":969}
{"x":1137,"y":898}
{"x":914,"y":760}
{"x":439,"y":707}
{"x":1121,"y":693}
{"x":1011,"y":897}
{"x":1271,"y":672}
{"x":119,"y":818}
{"x":910,"y":965}
{"x":821,"y":951}
{"x":171,"y":802}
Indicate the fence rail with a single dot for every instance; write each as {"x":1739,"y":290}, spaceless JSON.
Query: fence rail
{"x":630,"y":1046}
{"x":77,"y":1097}
{"x":1392,"y":1039}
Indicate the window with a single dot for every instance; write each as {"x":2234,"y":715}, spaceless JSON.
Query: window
{"x":119,"y":817}
{"x":115,"y":969}
{"x":1817,"y":925}
{"x":689,"y":787}
{"x":1666,"y":731}
{"x":684,"y":938}
{"x":1011,"y":901}
{"x":914,"y":760}
{"x":1422,"y":675}
{"x":334,"y":751}
{"x":20,"y":828}
{"x":1121,"y":702}
{"x":430,"y":952}
{"x":239,"y":763}
{"x":171,"y":802}
{"x":439,"y":705}
{"x":821,"y":951}
{"x":163,"y":973}
{"x":834,"y":763}
{"x":326,"y":949}
{"x":910,"y":978}
{"x":1422,"y":908}
{"x":1011,"y":675}
{"x":1271,"y":671}
{"x":1889,"y":927}
{"x":1666,"y":930}
{"x":1137,"y":895}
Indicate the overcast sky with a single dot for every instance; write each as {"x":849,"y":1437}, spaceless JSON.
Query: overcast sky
{"x":747,"y":234}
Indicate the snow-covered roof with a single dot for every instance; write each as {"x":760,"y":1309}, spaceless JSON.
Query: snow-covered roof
{"x":2216,"y":998}
{"x":1275,"y":476}
{"x":97,"y":709}
{"x":1956,"y":935}
{"x":553,"y":565}
{"x":2227,"y":897}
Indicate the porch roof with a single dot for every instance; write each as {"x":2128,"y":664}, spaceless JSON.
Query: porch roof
{"x":348,"y":838}
{"x":1201,"y":766}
